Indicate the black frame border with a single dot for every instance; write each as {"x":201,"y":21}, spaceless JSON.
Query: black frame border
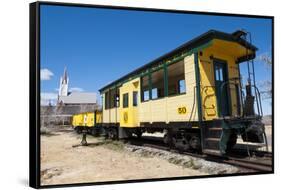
{"x":34,"y":91}
{"x":34,"y":95}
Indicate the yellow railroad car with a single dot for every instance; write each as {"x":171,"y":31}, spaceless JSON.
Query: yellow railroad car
{"x":90,"y":121}
{"x":194,"y":94}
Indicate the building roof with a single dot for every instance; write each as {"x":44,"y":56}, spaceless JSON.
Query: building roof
{"x":79,"y":98}
{"x":192,"y":44}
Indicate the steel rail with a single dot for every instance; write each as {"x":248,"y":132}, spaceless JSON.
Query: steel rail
{"x":260,"y":163}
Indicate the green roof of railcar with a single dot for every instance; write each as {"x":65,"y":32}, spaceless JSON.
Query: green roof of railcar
{"x":188,"y":46}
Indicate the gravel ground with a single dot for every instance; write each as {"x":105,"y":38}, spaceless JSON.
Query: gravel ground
{"x":184,"y":160}
{"x":64,"y":161}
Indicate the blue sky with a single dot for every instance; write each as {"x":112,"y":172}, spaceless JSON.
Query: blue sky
{"x":100,"y":45}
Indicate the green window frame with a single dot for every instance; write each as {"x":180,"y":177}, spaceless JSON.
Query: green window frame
{"x":157,"y":87}
{"x":125,"y":100}
{"x":106,"y":100}
{"x":135,"y":98}
{"x":145,"y":88}
{"x":170,"y":83}
{"x":176,"y":78}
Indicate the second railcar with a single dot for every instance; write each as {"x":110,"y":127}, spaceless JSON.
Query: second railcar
{"x":88,"y":121}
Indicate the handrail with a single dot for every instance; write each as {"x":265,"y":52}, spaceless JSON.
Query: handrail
{"x":241,"y":98}
{"x":257,"y":97}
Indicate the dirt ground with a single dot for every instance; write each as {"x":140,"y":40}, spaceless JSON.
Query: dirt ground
{"x":62,"y":161}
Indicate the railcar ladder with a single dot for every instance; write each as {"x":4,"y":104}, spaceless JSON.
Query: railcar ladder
{"x":251,"y":74}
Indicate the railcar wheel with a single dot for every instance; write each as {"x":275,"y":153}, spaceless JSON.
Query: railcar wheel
{"x":139,"y":134}
{"x":106,"y":133}
{"x":78,"y":130}
{"x":93,"y":132}
{"x":129,"y":134}
{"x":112,"y":134}
{"x":167,"y":139}
{"x":194,"y":142}
{"x":181,"y":143}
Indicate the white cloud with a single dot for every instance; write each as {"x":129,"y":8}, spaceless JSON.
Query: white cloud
{"x":46,"y":74}
{"x":76,"y":89}
{"x":47,"y":97}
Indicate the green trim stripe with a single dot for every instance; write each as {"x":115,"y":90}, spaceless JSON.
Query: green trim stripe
{"x":150,"y":84}
{"x":198,"y":93}
{"x":165,"y":80}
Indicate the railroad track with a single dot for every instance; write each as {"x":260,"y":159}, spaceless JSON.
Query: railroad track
{"x":258,"y":162}
{"x":254,"y":165}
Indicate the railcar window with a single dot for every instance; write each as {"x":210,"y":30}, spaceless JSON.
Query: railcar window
{"x":125,"y":100}
{"x":182,"y":86}
{"x":116,"y":99}
{"x":145,"y":88}
{"x":219,"y":74}
{"x":111,"y":98}
{"x":135,"y":98}
{"x":146,"y":95}
{"x":157,"y":84}
{"x":154,"y":93}
{"x":106,"y":100}
{"x":176,"y":78}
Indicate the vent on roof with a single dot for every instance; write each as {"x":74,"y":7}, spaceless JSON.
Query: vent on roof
{"x":238,"y":33}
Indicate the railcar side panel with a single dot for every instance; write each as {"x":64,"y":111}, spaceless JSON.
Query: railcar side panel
{"x":110,"y":115}
{"x":129,"y":116}
{"x":99,"y":117}
{"x":176,"y":108}
{"x":228,"y":52}
{"x":145,"y":112}
{"x":83,"y":119}
{"x":179,"y":107}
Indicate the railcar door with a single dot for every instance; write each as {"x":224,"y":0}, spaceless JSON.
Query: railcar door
{"x":222,"y":91}
{"x":129,"y":102}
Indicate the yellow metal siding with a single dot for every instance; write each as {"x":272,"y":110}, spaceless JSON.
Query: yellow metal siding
{"x":174,"y":103}
{"x":105,"y":116}
{"x":166,"y":109}
{"x":129,"y":117}
{"x":145,"y":111}
{"x":98,"y":117}
{"x":224,"y":51}
{"x":83,"y":119}
{"x":184,"y":100}
{"x":106,"y":112}
{"x":158,"y":110}
{"x":110,"y":115}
